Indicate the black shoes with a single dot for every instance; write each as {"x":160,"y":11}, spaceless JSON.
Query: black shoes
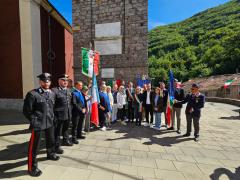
{"x":171,"y":128}
{"x":59,"y":150}
{"x":74,"y":141}
{"x":186,"y":135}
{"x":67,"y":143}
{"x":81,"y":137}
{"x":35,"y":173}
{"x":53,"y":157}
{"x":179,"y":131}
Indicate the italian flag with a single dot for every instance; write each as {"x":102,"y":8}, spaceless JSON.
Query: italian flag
{"x":95,"y":101}
{"x":90,"y":62}
{"x":227,"y":83}
{"x":169,"y":110}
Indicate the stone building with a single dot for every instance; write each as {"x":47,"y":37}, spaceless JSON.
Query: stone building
{"x":34,"y":38}
{"x":118,"y":29}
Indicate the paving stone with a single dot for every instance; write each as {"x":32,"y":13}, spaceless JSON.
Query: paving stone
{"x":165,"y":164}
{"x":146,"y":172}
{"x":169,"y":175}
{"x":144,"y":162}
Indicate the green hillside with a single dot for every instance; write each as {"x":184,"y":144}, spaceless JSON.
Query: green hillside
{"x":206,"y":44}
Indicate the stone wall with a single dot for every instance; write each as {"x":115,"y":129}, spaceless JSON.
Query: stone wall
{"x":133,"y":16}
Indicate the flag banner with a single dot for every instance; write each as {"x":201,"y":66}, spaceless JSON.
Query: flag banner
{"x":95,"y":101}
{"x":170,"y":98}
{"x":96,"y":63}
{"x":90,"y":62}
{"x":227,"y":83}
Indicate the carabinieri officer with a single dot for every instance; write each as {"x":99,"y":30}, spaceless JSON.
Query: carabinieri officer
{"x":38,"y":109}
{"x":63,"y":112}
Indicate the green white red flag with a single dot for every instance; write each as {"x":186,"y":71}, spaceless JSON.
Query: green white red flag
{"x":90,"y":62}
{"x":227,"y":83}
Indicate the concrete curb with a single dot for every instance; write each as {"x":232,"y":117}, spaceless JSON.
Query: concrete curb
{"x":11,"y":104}
{"x":235,"y":102}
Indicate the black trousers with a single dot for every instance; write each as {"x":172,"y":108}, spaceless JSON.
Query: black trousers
{"x":138,"y":116}
{"x":195,"y":120}
{"x":122,"y":112}
{"x":149,"y":110}
{"x":34,"y":146}
{"x":61,"y":128}
{"x":102,"y":118}
{"x":130,"y":111}
{"x":77,"y":125}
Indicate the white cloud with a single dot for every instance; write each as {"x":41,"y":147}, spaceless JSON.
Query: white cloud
{"x":153,"y":24}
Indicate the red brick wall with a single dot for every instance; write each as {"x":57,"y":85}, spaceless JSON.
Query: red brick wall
{"x":10,"y":50}
{"x":69,"y":54}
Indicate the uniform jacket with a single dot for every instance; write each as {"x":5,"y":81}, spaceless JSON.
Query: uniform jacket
{"x":63,"y":104}
{"x":194,"y":103}
{"x":38,"y":109}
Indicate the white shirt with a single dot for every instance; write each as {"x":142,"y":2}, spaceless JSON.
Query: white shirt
{"x":148,"y":98}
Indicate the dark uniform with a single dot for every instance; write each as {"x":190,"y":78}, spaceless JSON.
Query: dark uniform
{"x":130,"y":100}
{"x":38,"y":109}
{"x":193,"y":112}
{"x":63,"y":114}
{"x":79,"y":103}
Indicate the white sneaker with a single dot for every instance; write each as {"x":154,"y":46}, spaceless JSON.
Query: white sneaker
{"x":157,"y":128}
{"x":103,"y":128}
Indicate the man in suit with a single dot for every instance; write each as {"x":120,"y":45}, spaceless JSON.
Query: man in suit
{"x":78,"y":112}
{"x":63,"y":112}
{"x":38,"y":109}
{"x":130,"y":98}
{"x":147,"y":97}
{"x":177,"y":108}
{"x":195,"y":102}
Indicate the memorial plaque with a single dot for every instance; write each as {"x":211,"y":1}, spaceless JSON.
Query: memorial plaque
{"x":108,"y":29}
{"x":108,"y":73}
{"x":109,"y":47}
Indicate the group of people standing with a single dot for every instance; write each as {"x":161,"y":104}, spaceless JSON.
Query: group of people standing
{"x":55,"y":111}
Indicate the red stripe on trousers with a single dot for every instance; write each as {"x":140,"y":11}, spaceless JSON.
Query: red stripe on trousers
{"x":30,"y":152}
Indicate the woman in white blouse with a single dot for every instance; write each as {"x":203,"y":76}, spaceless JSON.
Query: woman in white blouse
{"x":121,"y":102}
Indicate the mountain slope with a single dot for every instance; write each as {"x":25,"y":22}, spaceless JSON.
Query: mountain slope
{"x":206,"y":44}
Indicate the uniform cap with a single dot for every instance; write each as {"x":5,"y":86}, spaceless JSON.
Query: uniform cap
{"x":46,"y":77}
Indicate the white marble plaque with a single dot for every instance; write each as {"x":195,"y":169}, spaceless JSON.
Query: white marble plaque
{"x":109,"y":47}
{"x":107,"y":73}
{"x":108,"y":29}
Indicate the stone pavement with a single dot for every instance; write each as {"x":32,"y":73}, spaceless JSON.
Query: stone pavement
{"x":132,"y":153}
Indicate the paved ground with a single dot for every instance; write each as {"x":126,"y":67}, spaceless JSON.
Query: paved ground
{"x":129,"y":152}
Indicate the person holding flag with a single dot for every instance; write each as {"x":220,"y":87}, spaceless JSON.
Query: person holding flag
{"x":170,"y":101}
{"x":195,"y":102}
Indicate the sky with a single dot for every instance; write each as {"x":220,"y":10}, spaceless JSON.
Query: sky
{"x":160,"y":12}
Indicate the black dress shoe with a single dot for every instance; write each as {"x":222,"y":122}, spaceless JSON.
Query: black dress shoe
{"x":74,"y":141}
{"x":81,"y":137}
{"x":59,"y":150}
{"x":171,"y":128}
{"x":179,"y":131}
{"x":67,"y":143}
{"x":35,"y":173}
{"x":53,"y":157}
{"x":186,"y":135}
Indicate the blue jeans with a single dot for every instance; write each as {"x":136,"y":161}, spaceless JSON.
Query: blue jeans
{"x":157,"y":116}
